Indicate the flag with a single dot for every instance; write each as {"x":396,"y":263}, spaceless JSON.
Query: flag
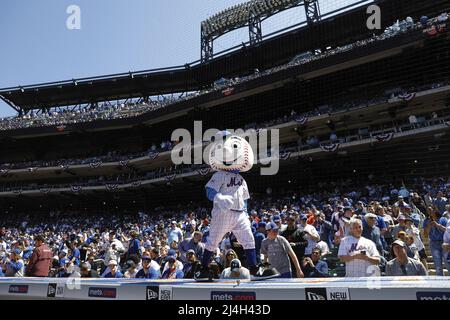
{"x":95,"y":164}
{"x":384,"y":137}
{"x":227,"y":91}
{"x":111,"y":186}
{"x":76,"y":189}
{"x":123,"y":163}
{"x":46,"y":190}
{"x":152,"y":155}
{"x":301,"y":120}
{"x":169,"y":178}
{"x":330,"y":147}
{"x":285,"y":155}
{"x":407,"y":96}
{"x":204,"y":171}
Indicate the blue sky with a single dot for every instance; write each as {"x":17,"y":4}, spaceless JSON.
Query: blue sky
{"x":115,"y":36}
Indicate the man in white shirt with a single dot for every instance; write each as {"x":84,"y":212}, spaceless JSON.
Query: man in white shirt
{"x":359,"y":254}
{"x":311,"y":234}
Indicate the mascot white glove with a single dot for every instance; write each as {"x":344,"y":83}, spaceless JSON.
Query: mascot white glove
{"x":223,"y":202}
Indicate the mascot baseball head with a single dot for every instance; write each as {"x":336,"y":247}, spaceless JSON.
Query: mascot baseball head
{"x":230,"y":153}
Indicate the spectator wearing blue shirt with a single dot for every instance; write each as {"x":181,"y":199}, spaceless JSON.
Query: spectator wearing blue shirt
{"x":113,"y":272}
{"x":372,"y":232}
{"x":172,"y":272}
{"x":313,"y":267}
{"x":150,"y":269}
{"x":134,"y":245}
{"x":434,"y":228}
{"x":74,"y":254}
{"x":440,"y":201}
{"x":15,"y":267}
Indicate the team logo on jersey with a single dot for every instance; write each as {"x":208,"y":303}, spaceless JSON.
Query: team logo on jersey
{"x":234,"y":182}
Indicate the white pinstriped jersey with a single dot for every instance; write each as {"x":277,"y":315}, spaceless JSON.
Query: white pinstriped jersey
{"x":232,"y":184}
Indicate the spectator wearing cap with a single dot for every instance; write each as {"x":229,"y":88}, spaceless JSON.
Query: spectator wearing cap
{"x":193,"y":243}
{"x":277,"y":251}
{"x":313,"y":267}
{"x":150,"y":269}
{"x":131,"y":270}
{"x":175,"y":233}
{"x":40,"y":261}
{"x":371,"y":230}
{"x":434,"y":228}
{"x":172,"y":253}
{"x":359,"y":254}
{"x":86,"y":271}
{"x":260,"y":235}
{"x":402,"y":265}
{"x":171,"y":271}
{"x":296,"y":238}
{"x":113,"y":271}
{"x":15,"y":266}
{"x":191,"y":265}
{"x":235,"y":271}
{"x":277,"y":220}
{"x":401,"y":226}
{"x":360,"y":208}
{"x":310,"y":234}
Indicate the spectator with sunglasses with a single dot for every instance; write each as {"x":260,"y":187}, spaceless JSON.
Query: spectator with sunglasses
{"x":313,"y":267}
{"x":402,"y":265}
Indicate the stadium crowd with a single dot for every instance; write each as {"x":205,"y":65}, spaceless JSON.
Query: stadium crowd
{"x":303,"y":143}
{"x":108,"y":111}
{"x":341,"y":229}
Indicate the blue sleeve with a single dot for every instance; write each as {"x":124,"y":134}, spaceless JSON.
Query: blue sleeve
{"x":154,"y":274}
{"x":381,"y":223}
{"x":210,"y":193}
{"x":16,"y":266}
{"x":323,"y":269}
{"x":180,"y":274}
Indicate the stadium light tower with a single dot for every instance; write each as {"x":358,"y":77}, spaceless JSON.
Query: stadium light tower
{"x":249,"y":14}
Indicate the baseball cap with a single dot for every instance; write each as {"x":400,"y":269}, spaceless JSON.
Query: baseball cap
{"x":262,"y":224}
{"x":271,"y":226}
{"x":17,"y":251}
{"x":171,"y":258}
{"x":173,"y":222}
{"x":64,"y":261}
{"x":190,"y":251}
{"x":112,"y":262}
{"x":171,"y":252}
{"x":235,"y":265}
{"x":276,"y":218}
{"x":303,"y":217}
{"x":401,"y":217}
{"x":370,"y":215}
{"x":398,"y":242}
{"x":146,"y":257}
{"x":348,"y":208}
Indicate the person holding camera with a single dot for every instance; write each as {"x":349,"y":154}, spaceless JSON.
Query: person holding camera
{"x":434,"y":228}
{"x":313,"y":267}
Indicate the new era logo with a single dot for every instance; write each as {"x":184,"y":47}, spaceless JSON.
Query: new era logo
{"x":152,"y":293}
{"x":51,"y":290}
{"x":316,"y":294}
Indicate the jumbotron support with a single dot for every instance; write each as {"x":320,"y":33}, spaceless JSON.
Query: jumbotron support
{"x":312,"y":11}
